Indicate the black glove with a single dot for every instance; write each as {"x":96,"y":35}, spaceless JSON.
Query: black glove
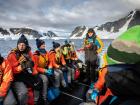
{"x":64,"y":68}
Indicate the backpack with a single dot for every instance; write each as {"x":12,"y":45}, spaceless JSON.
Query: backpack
{"x":53,"y":93}
{"x":124,"y":80}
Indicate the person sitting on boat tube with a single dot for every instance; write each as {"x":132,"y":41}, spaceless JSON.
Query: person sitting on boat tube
{"x":6,"y":78}
{"x":58,"y":62}
{"x":43,"y":66}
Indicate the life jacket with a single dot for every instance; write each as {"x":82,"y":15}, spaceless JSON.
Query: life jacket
{"x":1,"y":71}
{"x":6,"y":76}
{"x":18,"y":53}
{"x":57,"y":56}
{"x":89,"y":40}
{"x":1,"y":75}
{"x":43,"y":59}
{"x":27,"y":54}
{"x":66,"y":52}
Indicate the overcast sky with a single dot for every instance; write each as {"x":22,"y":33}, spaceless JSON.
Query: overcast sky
{"x":62,"y":15}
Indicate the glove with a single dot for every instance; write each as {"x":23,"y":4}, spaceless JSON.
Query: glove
{"x":92,"y":86}
{"x":49,"y":72}
{"x":64,"y":68}
{"x":80,"y":50}
{"x":94,"y":95}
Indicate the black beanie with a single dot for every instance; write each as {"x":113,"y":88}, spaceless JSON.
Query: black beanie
{"x":66,"y":42}
{"x":23,"y":39}
{"x":39,"y":42}
{"x":1,"y":59}
{"x":91,"y":30}
{"x":56,"y":45}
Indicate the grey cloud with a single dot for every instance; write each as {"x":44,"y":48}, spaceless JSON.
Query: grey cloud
{"x":63,"y":14}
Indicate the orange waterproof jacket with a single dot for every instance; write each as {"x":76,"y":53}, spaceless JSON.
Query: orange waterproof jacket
{"x":6,"y":77}
{"x":41,"y":61}
{"x":102,"y":72}
{"x":101,"y":81}
{"x":69,"y":53}
{"x":74,"y":55}
{"x":100,"y":84}
{"x":16,"y":67}
{"x":55,"y":61}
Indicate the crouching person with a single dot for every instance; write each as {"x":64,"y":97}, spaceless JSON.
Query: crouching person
{"x":21,"y":60}
{"x":43,"y":67}
{"x":58,"y":62}
{"x":6,"y":77}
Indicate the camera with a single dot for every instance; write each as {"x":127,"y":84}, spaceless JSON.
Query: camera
{"x":29,"y":70}
{"x":28,"y":65}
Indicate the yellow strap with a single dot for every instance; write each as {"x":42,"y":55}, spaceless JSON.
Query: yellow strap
{"x":101,"y":44}
{"x":104,"y":64}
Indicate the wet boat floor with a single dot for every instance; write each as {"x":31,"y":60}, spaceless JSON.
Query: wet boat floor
{"x":73,"y":95}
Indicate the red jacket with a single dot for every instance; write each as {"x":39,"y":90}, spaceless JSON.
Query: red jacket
{"x":56,"y":62}
{"x":16,"y":67}
{"x":6,"y":77}
{"x":100,"y":84}
{"x":41,"y":61}
{"x":101,"y":81}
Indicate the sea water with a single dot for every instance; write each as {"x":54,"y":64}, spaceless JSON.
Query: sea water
{"x":7,"y":45}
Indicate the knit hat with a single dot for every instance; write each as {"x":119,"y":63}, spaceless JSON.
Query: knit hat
{"x":56,"y":45}
{"x":39,"y":42}
{"x":126,"y":48}
{"x":91,"y":30}
{"x":67,"y":43}
{"x":1,"y":59}
{"x":23,"y":39}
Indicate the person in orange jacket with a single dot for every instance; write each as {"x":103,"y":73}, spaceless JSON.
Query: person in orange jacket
{"x":71,"y":58}
{"x":21,"y":59}
{"x":6,"y":78}
{"x":99,"y":85}
{"x":43,"y":66}
{"x":58,"y":64}
{"x":65,"y":49}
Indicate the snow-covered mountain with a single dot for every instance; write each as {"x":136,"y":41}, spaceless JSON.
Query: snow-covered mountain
{"x":14,"y":33}
{"x":110,"y":30}
{"x":78,"y":32}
